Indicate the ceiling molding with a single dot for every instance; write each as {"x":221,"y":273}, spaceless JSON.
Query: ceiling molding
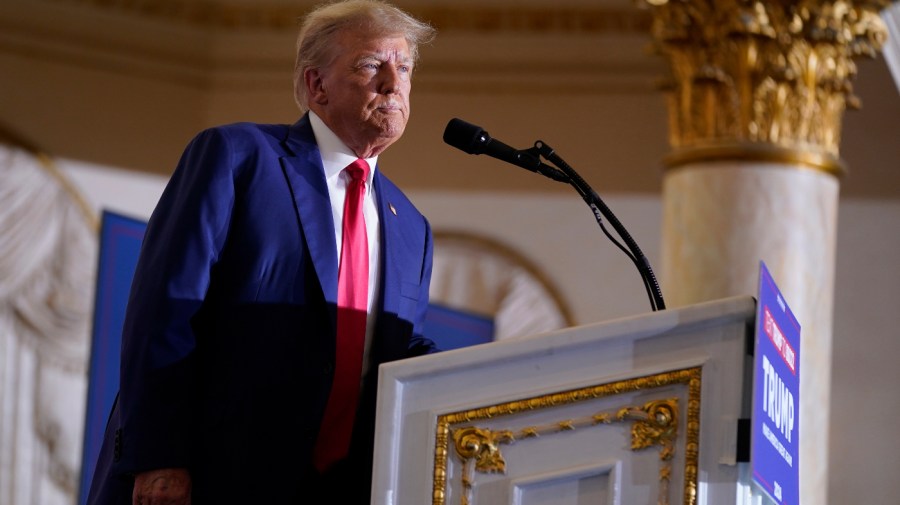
{"x":544,"y":20}
{"x":206,"y":44}
{"x":227,"y":16}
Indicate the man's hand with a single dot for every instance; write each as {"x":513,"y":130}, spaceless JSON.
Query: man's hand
{"x":167,"y":486}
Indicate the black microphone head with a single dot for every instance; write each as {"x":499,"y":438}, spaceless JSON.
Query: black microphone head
{"x":466,"y":136}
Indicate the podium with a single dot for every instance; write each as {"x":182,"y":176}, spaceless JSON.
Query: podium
{"x":641,"y":410}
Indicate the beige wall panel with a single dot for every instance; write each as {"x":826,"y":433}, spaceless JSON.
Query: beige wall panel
{"x":87,"y":113}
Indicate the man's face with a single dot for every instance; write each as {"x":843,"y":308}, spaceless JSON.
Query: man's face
{"x":363,"y":95}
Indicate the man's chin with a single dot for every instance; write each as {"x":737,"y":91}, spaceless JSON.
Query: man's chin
{"x":391,"y":128}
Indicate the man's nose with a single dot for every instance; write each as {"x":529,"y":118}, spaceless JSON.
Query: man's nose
{"x":390,"y":79}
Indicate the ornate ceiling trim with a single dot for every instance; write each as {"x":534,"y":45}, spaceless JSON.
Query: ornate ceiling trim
{"x":481,"y":19}
{"x":538,"y":20}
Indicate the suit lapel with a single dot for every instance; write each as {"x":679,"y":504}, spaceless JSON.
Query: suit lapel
{"x":390,"y":235}
{"x":304,"y":172}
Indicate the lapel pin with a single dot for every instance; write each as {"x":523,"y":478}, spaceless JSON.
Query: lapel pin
{"x":393,"y":210}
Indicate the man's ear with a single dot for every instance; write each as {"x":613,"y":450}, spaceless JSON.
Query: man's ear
{"x":315,"y":86}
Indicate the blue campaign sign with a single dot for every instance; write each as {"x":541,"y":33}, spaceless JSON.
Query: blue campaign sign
{"x":775,"y":439}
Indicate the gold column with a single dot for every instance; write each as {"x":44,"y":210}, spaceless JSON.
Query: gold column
{"x":757,"y":93}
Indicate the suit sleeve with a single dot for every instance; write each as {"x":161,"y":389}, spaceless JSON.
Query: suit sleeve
{"x":183,"y":240}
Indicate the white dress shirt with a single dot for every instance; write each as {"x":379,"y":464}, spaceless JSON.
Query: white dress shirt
{"x":336,"y":156}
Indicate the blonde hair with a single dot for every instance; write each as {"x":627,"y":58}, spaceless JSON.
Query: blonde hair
{"x":318,"y":33}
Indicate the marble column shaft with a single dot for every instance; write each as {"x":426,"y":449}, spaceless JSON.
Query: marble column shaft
{"x":720,"y":220}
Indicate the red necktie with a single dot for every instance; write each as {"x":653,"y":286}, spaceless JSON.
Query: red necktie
{"x":353,"y":293}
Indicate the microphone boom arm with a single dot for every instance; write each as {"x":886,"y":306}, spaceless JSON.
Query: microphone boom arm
{"x":564,"y":172}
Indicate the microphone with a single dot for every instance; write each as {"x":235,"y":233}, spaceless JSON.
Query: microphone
{"x":473,"y":139}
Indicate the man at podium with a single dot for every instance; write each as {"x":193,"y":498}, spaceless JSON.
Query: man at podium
{"x":279,"y":269}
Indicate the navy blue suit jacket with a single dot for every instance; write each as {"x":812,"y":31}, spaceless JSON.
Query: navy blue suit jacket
{"x":229,"y":339}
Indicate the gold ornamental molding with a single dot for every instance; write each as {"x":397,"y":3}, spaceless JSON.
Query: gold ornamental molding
{"x":654,"y":423}
{"x":762,"y":80}
{"x":270,"y":15}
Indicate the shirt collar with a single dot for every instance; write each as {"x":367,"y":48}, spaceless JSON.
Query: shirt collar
{"x":335,"y":153}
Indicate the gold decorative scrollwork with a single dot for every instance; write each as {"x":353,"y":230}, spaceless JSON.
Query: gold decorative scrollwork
{"x":655,"y":423}
{"x":762,"y":79}
{"x":483,"y":446}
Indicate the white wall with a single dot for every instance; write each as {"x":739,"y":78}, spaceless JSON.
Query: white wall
{"x":865,"y":447}
{"x":558,"y":233}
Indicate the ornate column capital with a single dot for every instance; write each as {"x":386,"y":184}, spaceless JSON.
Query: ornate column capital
{"x":765,"y":79}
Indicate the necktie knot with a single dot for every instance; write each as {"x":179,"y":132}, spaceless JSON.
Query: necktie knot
{"x":358,"y":170}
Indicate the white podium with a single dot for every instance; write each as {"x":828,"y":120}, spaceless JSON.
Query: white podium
{"x":641,"y":410}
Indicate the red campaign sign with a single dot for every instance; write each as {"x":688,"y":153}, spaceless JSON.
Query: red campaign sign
{"x":781,"y":344}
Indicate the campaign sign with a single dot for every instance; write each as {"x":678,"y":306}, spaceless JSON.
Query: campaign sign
{"x":775,"y":439}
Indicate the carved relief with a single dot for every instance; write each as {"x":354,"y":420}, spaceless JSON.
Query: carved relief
{"x":763,"y":79}
{"x":654,"y":424}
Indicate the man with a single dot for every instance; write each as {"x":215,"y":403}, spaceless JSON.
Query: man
{"x":238,"y":363}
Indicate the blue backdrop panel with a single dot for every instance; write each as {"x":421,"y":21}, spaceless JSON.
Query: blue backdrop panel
{"x":452,"y":329}
{"x":120,"y":243}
